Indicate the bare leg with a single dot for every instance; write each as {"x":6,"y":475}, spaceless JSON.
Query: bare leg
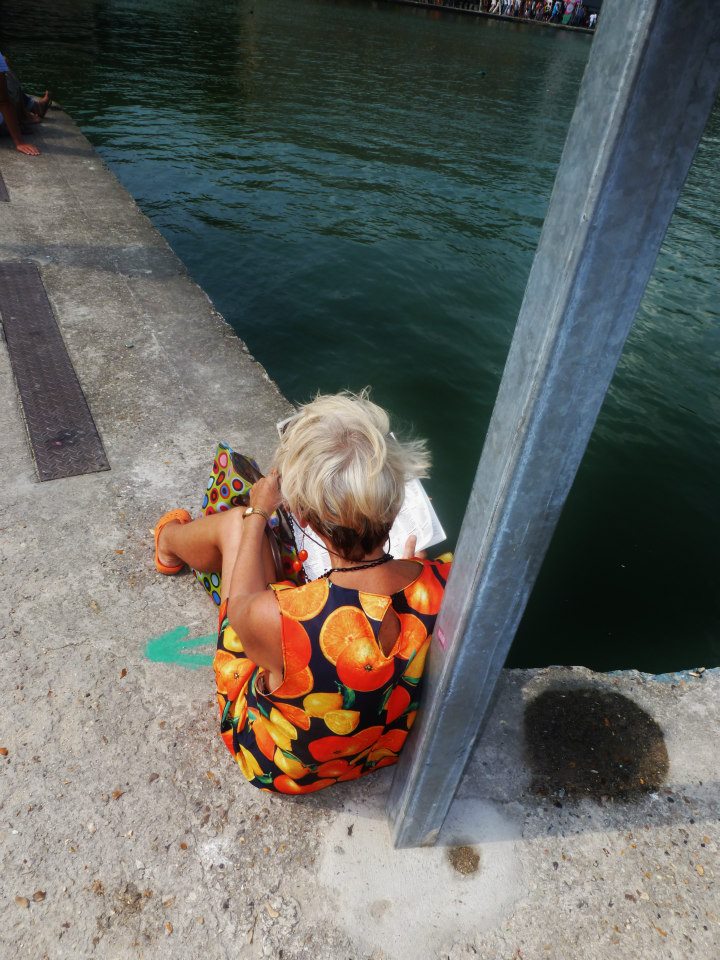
{"x":210,"y":544}
{"x":24,"y":114}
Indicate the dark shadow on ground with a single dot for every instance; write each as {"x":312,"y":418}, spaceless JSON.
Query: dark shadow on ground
{"x":589,"y":743}
{"x":573,"y":759}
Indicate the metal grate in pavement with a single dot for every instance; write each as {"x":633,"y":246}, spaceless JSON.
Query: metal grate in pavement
{"x":63,"y":436}
{"x":4,"y":195}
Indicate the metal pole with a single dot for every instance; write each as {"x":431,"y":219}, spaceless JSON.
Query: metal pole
{"x":648,"y":89}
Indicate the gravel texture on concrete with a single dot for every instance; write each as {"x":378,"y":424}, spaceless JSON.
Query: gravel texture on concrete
{"x":125,"y":829}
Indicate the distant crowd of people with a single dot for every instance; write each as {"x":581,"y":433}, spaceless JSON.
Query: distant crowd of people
{"x":572,"y":13}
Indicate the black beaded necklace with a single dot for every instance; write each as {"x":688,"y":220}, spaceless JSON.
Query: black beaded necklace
{"x":385,"y":558}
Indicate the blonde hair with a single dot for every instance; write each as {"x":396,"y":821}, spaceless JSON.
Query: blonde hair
{"x":344,"y":473}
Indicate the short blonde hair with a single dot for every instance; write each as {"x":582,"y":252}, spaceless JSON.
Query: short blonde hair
{"x":344,"y":473}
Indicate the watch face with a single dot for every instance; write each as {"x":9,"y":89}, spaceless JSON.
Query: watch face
{"x":248,"y":512}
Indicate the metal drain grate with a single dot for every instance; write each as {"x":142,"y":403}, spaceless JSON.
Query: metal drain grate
{"x":4,"y":195}
{"x":63,"y":436}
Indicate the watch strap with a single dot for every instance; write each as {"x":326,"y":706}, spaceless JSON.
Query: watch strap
{"x":251,"y":510}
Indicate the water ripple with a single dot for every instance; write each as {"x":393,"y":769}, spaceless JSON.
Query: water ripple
{"x":360,"y":188}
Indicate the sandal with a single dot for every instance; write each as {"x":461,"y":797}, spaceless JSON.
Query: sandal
{"x":181,"y":516}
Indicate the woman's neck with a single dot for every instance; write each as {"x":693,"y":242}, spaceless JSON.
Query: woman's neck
{"x":340,"y":563}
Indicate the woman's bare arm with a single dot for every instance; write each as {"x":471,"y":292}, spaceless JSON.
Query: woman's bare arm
{"x":10,"y":116}
{"x":252,"y":609}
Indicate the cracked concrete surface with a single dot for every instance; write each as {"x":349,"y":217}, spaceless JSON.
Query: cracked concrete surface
{"x":125,"y":830}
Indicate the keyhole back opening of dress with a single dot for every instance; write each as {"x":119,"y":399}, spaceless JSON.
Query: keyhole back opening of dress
{"x":389,"y":631}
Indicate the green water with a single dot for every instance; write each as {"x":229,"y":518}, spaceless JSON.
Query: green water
{"x":359,"y":187}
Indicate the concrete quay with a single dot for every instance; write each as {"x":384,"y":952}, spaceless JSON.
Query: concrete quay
{"x":586,"y":825}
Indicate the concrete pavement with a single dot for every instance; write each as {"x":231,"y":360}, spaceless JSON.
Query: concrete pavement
{"x":586,"y":826}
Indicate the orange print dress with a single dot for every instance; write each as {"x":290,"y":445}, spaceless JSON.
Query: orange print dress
{"x":343,"y":709}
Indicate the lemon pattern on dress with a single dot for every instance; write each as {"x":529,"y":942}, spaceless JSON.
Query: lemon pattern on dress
{"x":344,"y":708}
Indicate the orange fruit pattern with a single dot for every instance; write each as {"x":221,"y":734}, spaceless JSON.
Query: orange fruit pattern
{"x":373,"y":604}
{"x":329,"y":748}
{"x":297,"y":686}
{"x":296,"y":647}
{"x":425,"y":594}
{"x":397,"y":704}
{"x":231,"y":673}
{"x":362,"y":665}
{"x":344,"y":708}
{"x":413,"y":634}
{"x":306,"y":602}
{"x":344,"y":627}
{"x":294,"y":715}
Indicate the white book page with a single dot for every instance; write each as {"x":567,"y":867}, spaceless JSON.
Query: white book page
{"x":416,"y":517}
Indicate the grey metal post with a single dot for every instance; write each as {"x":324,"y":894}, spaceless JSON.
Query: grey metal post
{"x":648,"y":89}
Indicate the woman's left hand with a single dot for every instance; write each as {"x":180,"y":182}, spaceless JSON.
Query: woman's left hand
{"x":265,"y":494}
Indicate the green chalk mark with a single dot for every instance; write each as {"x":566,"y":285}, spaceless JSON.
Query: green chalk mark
{"x":170,"y":647}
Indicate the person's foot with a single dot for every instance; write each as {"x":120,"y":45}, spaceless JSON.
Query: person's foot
{"x":43,"y":103}
{"x":166,"y":562}
{"x":165,"y":557}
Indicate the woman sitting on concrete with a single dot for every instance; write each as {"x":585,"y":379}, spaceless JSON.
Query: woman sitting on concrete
{"x":318,"y":683}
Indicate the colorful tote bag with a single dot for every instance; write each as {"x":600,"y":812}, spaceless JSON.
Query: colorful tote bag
{"x":232,"y":476}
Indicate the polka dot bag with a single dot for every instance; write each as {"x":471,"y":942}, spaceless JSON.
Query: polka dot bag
{"x":229,"y":486}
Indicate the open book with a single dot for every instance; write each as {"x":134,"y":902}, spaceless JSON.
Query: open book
{"x":416,"y":516}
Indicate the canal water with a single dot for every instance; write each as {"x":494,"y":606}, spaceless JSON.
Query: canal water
{"x":360,"y":187}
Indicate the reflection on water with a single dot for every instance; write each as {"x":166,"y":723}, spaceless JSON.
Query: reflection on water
{"x":360,"y":188}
